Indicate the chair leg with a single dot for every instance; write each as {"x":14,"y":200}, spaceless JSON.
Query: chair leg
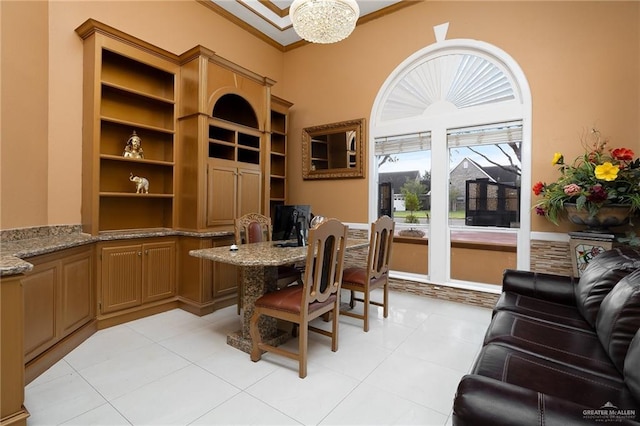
{"x":255,"y":336}
{"x":367,"y":302}
{"x":334,"y":327}
{"x":385,"y":309}
{"x":303,"y":341}
{"x":352,"y":301}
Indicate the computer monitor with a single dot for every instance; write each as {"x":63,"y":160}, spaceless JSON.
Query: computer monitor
{"x":284,"y":220}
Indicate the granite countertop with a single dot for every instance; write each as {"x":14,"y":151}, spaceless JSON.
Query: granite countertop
{"x":263,"y":254}
{"x":20,"y":244}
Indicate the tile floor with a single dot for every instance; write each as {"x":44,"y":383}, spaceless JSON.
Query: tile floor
{"x":175,"y":368}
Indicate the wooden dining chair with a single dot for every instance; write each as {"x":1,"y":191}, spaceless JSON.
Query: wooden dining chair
{"x":255,"y":228}
{"x":374,"y":275}
{"x":317,"y":296}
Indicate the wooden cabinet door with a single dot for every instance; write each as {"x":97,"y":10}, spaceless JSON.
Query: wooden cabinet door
{"x":76,"y":291}
{"x":159,"y":272}
{"x":40,"y":300}
{"x":249,"y":191}
{"x":58,"y":298}
{"x":225,"y":276}
{"x":121,"y":277}
{"x":221,"y":194}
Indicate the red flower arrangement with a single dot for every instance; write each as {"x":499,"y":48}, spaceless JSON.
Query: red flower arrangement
{"x":595,"y":179}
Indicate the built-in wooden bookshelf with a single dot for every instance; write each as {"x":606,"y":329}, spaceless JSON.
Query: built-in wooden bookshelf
{"x":130,"y":86}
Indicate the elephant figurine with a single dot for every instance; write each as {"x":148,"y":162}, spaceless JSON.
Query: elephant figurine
{"x":142,"y":184}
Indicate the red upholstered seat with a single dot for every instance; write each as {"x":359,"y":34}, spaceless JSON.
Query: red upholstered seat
{"x":290,"y":299}
{"x":318,"y":295}
{"x":358,"y":277}
{"x":375,"y":274}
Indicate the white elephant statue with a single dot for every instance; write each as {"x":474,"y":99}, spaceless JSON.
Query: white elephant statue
{"x":142,"y":184}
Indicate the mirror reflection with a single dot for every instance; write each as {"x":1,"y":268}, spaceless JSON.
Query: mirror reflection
{"x":333,"y":151}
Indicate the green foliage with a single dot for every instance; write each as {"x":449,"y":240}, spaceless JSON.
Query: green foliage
{"x":411,"y":202}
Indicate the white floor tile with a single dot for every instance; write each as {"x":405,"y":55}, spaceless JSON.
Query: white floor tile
{"x":131,"y":370}
{"x":235,"y":412}
{"x":61,"y":399}
{"x":197,"y":344}
{"x":106,"y":344}
{"x":369,"y":405}
{"x":306,"y":400}
{"x":177,"y":399}
{"x":175,"y":368}
{"x":453,"y":326}
{"x":236,"y":367}
{"x":448,"y":352}
{"x":354,"y":358}
{"x":57,"y":370}
{"x":104,"y":415}
{"x":422,"y":382}
{"x":167,"y":324}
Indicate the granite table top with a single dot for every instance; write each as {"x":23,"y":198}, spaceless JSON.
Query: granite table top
{"x":18,"y":245}
{"x":266,"y":253}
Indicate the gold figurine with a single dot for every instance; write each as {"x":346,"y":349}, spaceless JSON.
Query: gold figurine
{"x":133,"y":149}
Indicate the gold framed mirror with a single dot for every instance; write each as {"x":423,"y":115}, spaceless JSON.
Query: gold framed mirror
{"x":334,"y":151}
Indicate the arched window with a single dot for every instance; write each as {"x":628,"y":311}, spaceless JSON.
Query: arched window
{"x":451,"y":125}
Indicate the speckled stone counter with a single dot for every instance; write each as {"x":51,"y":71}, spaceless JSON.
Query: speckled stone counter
{"x":16,"y":245}
{"x":259,"y":268}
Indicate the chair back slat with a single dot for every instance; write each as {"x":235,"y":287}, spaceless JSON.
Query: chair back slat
{"x":325,"y":261}
{"x":252,"y":228}
{"x":380,"y":247}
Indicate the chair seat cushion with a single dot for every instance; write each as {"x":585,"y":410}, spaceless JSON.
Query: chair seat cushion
{"x":355,"y":277}
{"x":289,"y":299}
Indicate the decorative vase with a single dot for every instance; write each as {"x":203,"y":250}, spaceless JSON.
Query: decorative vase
{"x":606,"y":217}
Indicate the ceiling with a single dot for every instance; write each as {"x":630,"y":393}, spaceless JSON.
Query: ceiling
{"x":269,"y":19}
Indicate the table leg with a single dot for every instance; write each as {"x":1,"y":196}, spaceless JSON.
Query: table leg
{"x":256,"y":281}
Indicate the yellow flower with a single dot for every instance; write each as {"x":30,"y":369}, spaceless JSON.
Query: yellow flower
{"x":607,"y":171}
{"x":558,"y":158}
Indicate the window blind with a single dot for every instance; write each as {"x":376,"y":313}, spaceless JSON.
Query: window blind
{"x":489,"y":134}
{"x":403,"y":143}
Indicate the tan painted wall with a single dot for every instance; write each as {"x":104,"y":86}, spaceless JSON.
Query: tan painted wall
{"x":42,"y":91}
{"x":582,"y":60}
{"x":24,"y":104}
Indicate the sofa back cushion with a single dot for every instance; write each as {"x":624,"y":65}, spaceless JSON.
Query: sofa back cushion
{"x":601,"y":275}
{"x":632,"y":367}
{"x":619,"y":318}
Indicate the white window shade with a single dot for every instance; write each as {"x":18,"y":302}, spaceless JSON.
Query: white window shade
{"x":403,"y":143}
{"x":490,"y":134}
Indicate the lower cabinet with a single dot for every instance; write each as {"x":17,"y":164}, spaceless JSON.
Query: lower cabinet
{"x":134,"y":274}
{"x":58,"y":298}
{"x":12,"y":410}
{"x":205,"y":285}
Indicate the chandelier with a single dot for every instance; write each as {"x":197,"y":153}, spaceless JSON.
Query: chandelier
{"x":324,"y":21}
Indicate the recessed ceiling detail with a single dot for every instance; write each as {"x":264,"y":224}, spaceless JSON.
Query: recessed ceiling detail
{"x":269,"y":19}
{"x":447,"y":82}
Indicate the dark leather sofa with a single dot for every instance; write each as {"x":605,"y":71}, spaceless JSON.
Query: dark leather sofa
{"x":560,"y":351}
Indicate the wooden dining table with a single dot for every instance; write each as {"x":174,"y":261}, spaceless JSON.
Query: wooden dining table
{"x":258,"y":263}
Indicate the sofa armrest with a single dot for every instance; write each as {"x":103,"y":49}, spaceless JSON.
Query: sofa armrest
{"x":549,"y":287}
{"x":482,"y":401}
